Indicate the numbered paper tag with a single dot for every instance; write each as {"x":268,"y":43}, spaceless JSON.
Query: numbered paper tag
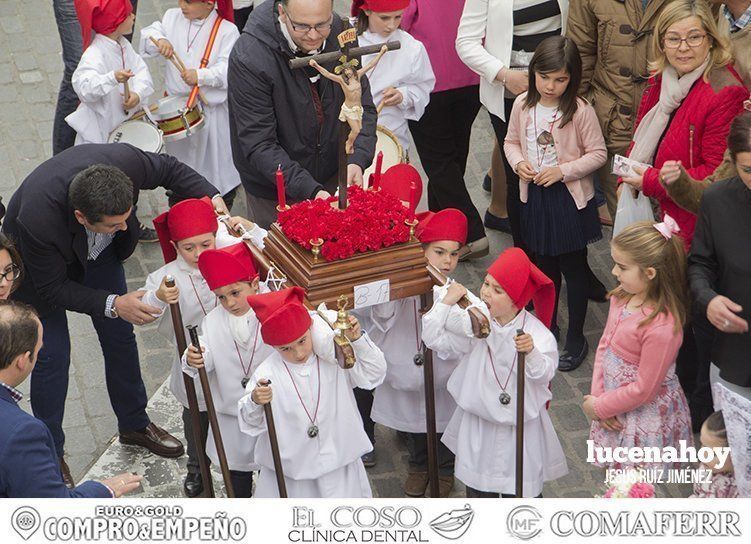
{"x":370,"y":294}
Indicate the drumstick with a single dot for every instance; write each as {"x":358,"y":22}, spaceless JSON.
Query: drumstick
{"x":180,"y":66}
{"x":126,"y":94}
{"x":152,"y":109}
{"x":380,"y":106}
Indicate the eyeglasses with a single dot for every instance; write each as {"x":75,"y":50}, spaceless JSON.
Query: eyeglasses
{"x":11,"y":274}
{"x":320,"y":28}
{"x":674,"y":42}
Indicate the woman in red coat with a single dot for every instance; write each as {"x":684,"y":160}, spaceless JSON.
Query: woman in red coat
{"x":688,"y":105}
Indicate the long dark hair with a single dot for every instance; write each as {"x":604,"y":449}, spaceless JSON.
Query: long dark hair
{"x":15,"y":257}
{"x":553,"y":54}
{"x":739,"y":137}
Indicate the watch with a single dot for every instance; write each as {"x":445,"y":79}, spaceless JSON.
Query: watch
{"x":113,"y":309}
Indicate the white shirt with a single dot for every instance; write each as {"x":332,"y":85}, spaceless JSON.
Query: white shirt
{"x":540,"y":128}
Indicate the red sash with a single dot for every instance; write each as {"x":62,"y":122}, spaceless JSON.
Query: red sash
{"x":205,"y":58}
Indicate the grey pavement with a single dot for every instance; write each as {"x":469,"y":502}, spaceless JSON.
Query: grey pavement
{"x":30,"y":72}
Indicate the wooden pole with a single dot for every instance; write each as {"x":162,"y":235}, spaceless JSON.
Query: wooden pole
{"x":520,"y":371}
{"x":190,"y":390}
{"x":278,"y":469}
{"x":323,"y":58}
{"x":426,"y":300}
{"x":213,"y":421}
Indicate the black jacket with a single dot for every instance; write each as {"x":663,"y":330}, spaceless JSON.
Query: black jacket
{"x":53,"y":244}
{"x":720,"y":264}
{"x":273,"y":118}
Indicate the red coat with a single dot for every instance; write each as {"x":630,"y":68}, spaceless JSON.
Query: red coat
{"x":696,"y":136}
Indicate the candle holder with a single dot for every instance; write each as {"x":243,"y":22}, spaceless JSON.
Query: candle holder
{"x":315,"y":248}
{"x":282,"y":208}
{"x":411,"y":223}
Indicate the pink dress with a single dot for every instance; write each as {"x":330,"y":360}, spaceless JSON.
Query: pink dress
{"x":659,"y":422}
{"x":721,"y":486}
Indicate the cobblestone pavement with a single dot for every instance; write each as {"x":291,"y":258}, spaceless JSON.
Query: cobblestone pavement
{"x":30,"y":71}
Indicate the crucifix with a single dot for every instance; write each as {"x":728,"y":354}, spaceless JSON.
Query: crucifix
{"x":347,"y":75}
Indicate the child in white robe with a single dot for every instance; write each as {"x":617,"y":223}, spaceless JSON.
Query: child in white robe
{"x":108,"y":66}
{"x":231,"y":350}
{"x":403,"y":79}
{"x":185,"y":31}
{"x":320,"y":431}
{"x":185,"y":231}
{"x":482,"y":430}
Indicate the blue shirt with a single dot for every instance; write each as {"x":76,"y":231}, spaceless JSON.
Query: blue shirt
{"x":741,"y":22}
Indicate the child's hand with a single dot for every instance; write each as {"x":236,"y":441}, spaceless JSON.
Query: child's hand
{"x":454,"y":294}
{"x":392,"y":96}
{"x":190,"y":76}
{"x":524,"y":343}
{"x":132,"y":101}
{"x":168,"y":295}
{"x":165,"y":48}
{"x":194,"y":357}
{"x":611,"y":424}
{"x":237,"y":220}
{"x":549,"y":176}
{"x":525,"y":171}
{"x":123,"y":75}
{"x":356,"y":331}
{"x":262,"y":393}
{"x":589,"y":407}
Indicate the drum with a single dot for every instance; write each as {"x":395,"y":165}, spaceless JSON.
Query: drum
{"x":174,"y":120}
{"x":140,"y":134}
{"x":392,"y":151}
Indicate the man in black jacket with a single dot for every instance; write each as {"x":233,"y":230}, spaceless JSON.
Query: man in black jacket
{"x":280,"y":116}
{"x":72,"y":222}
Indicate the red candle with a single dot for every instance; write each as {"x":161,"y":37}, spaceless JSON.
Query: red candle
{"x":377,"y":175}
{"x":280,"y":188}
{"x":412,"y":199}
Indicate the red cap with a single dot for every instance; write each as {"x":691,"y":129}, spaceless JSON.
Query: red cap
{"x":398,"y":180}
{"x":187,"y":218}
{"x":224,"y":7}
{"x":283,"y":317}
{"x":101,"y":16}
{"x":523,"y":282}
{"x":220,"y":267}
{"x":448,"y":224}
{"x":379,"y":6}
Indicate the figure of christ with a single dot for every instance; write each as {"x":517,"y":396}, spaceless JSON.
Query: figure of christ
{"x":349,"y":79}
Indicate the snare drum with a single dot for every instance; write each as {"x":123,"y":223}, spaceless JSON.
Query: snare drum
{"x":140,"y":134}
{"x":393,"y":153}
{"x":174,"y":120}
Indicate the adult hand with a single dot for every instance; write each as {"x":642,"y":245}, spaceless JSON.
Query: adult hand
{"x":194,"y":356}
{"x":130,"y":308}
{"x":589,"y":407}
{"x":322,"y":195}
{"x":454,"y":293}
{"x":549,"y":176}
{"x":670,"y":172}
{"x":637,"y":181}
{"x":165,"y":47}
{"x":132,"y":101}
{"x":123,"y":483}
{"x":168,"y":295}
{"x":392,"y":96}
{"x":517,"y":81}
{"x":611,"y":424}
{"x":525,"y":171}
{"x":262,"y":393}
{"x":190,"y":76}
{"x":354,"y":175}
{"x":238,"y":221}
{"x":220,"y":206}
{"x":721,"y":313}
{"x":356,"y":331}
{"x":123,"y":75}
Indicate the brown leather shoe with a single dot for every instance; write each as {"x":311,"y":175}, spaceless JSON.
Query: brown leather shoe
{"x":65,"y":471}
{"x":156,"y":440}
{"x":416,"y":484}
{"x":445,"y":485}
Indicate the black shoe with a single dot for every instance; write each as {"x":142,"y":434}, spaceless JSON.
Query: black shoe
{"x":486,"y":183}
{"x":147,"y":235}
{"x":193,"y":485}
{"x":569,"y":362}
{"x":497,"y":223}
{"x":369,"y":459}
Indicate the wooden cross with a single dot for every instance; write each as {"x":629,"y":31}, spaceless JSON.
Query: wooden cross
{"x":344,"y":55}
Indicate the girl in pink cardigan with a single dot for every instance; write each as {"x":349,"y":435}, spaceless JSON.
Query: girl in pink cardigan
{"x":554,"y":143}
{"x":636,"y":399}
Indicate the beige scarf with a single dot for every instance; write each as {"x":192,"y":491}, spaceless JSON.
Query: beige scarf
{"x":672,"y":92}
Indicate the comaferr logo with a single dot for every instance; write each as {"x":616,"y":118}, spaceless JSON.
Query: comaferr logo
{"x":674,"y":523}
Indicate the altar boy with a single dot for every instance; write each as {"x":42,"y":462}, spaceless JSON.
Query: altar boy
{"x":187,"y":32}
{"x":321,"y":438}
{"x":185,"y":231}
{"x":109,"y":65}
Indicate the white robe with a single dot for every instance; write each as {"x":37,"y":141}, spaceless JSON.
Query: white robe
{"x":399,"y":403}
{"x":226,"y":372}
{"x":207,"y":150}
{"x":482,"y":431}
{"x":328,"y":465}
{"x":101,"y":108}
{"x":408,"y":69}
{"x":191,"y":310}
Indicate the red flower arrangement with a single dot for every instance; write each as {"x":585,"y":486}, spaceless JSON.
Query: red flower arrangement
{"x":372,"y":220}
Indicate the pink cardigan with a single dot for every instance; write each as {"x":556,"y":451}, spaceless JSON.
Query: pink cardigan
{"x":652,"y":347}
{"x":579,"y":145}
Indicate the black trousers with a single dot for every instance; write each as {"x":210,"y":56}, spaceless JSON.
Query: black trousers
{"x":442,"y":141}
{"x":364,"y":400}
{"x":242,"y":483}
{"x":692,"y":367}
{"x":513,"y":204}
{"x":417,"y":446}
{"x":191,"y":448}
